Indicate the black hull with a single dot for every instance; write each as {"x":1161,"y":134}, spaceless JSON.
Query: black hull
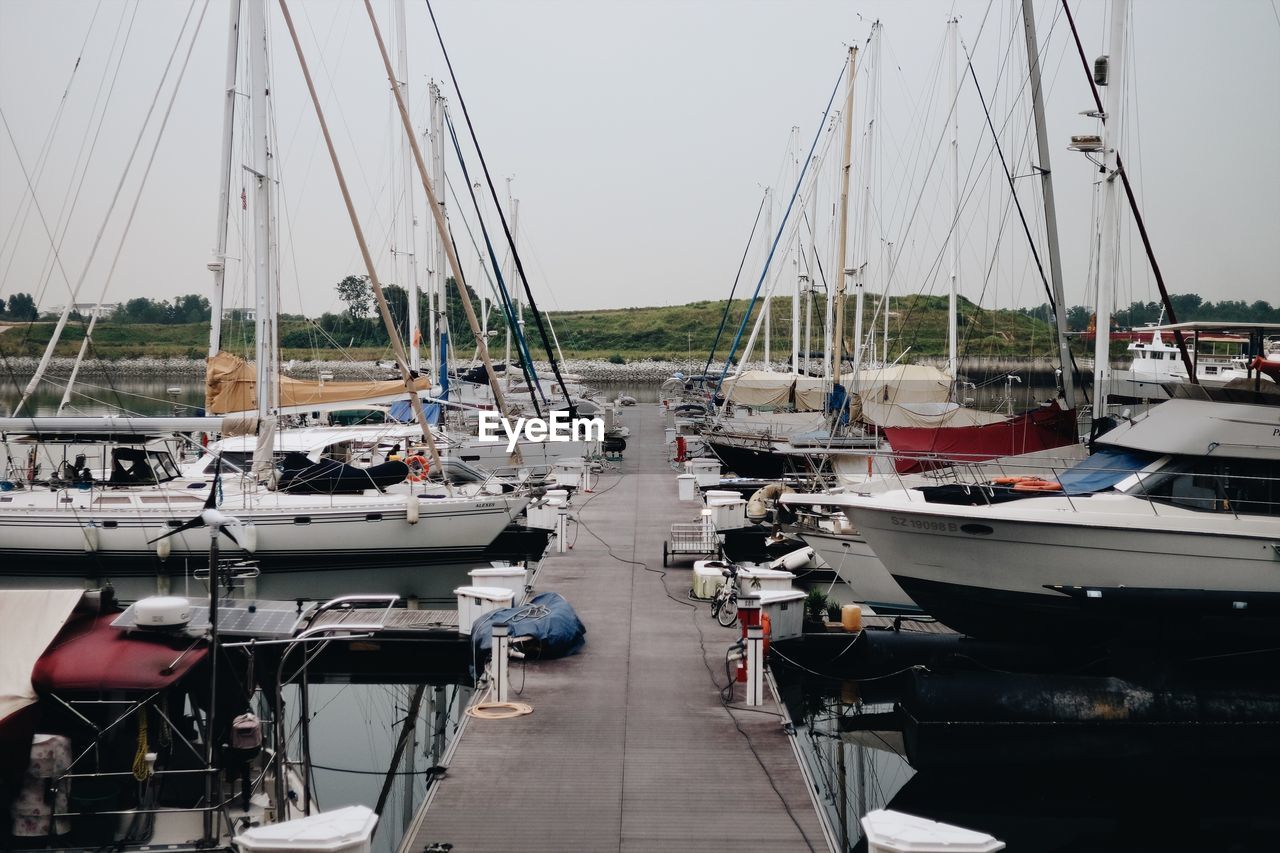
{"x":748,"y":462}
{"x":1142,"y":616}
{"x":519,"y":544}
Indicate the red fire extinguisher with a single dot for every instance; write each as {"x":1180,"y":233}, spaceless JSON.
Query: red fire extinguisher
{"x":681,"y":448}
{"x":764,"y":623}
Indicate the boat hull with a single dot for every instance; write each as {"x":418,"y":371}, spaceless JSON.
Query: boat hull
{"x":301,"y":551}
{"x":853,"y":561}
{"x":988,"y":575}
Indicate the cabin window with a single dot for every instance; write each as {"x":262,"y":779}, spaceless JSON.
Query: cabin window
{"x":113,"y":500}
{"x":170,"y":499}
{"x":1240,"y":486}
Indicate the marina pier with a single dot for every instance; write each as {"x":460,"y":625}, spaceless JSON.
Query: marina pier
{"x":629,"y":746}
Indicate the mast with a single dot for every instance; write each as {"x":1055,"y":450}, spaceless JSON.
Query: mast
{"x":795,"y":259}
{"x":410,"y":226}
{"x":842,"y":226}
{"x":768,"y":315}
{"x":952,"y":247}
{"x":438,"y":263}
{"x":435,"y":277}
{"x":1109,"y":231}
{"x":1050,"y":210}
{"x":263,"y":268}
{"x":513,"y":322}
{"x":810,"y":281}
{"x":860,"y":275}
{"x":219,"y":263}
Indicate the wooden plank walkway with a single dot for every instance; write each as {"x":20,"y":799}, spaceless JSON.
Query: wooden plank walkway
{"x":629,"y":747}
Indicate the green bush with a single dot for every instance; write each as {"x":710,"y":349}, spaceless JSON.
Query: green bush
{"x":617,"y":359}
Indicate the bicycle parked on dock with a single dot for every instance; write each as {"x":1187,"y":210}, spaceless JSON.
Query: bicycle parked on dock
{"x":724,"y":604}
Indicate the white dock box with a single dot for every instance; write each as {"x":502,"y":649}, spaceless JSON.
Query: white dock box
{"x":897,"y":832}
{"x":786,"y":613}
{"x":706,"y":470}
{"x":477,"y":601}
{"x":707,"y":577}
{"x":764,"y":580}
{"x":542,"y":515}
{"x":513,"y":578}
{"x":687,"y":487}
{"x":728,"y":508}
{"x":567,"y":472}
{"x":345,"y":830}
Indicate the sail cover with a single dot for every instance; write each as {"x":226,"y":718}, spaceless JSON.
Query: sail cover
{"x":231,"y":386}
{"x":759,"y":388}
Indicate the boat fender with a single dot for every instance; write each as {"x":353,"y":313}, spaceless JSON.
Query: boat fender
{"x":758,"y":506}
{"x":90,"y":531}
{"x":1036,"y":485}
{"x":163,"y":548}
{"x":249,"y":538}
{"x":411,"y":509}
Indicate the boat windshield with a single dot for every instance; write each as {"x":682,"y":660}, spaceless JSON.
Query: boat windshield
{"x":132,"y":465}
{"x":1103,"y":470}
{"x":1214,"y":484}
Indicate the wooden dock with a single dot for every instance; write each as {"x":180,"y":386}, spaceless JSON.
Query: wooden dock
{"x":629,"y":746}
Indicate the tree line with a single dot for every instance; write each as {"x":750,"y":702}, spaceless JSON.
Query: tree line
{"x":1187,"y":307}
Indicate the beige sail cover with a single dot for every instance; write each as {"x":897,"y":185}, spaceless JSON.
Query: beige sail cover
{"x":231,"y":386}
{"x":811,"y":393}
{"x":759,"y":388}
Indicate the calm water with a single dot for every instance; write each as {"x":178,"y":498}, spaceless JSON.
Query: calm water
{"x":1125,"y":807}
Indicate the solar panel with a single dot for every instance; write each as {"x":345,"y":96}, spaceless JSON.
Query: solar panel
{"x":236,"y":617}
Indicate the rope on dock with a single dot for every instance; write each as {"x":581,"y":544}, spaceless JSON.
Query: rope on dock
{"x":499,"y":710}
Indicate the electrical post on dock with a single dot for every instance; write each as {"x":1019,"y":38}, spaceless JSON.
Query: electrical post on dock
{"x":562,"y":528}
{"x":501,"y":652}
{"x":755,"y":665}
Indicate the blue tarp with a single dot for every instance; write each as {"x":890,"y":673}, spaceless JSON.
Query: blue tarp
{"x":1102,"y":470}
{"x":548,"y":618}
{"x":402,"y":411}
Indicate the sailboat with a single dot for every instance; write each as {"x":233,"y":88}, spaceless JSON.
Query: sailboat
{"x":113,"y":522}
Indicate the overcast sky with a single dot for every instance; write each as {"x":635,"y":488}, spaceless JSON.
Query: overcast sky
{"x":640,"y":136}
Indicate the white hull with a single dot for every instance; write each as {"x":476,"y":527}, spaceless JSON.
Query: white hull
{"x":301,"y":543}
{"x":1008,"y":557}
{"x":853,"y":561}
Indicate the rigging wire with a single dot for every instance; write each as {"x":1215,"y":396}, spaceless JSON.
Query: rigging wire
{"x":493,"y":191}
{"x":23,"y":209}
{"x":742,"y":263}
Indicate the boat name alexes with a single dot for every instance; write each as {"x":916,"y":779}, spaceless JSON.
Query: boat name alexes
{"x":559,"y":427}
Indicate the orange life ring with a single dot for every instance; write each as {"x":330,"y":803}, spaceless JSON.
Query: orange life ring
{"x":418,"y":468}
{"x":1038,"y":485}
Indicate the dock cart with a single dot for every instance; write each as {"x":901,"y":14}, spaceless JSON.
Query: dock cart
{"x":692,"y":539}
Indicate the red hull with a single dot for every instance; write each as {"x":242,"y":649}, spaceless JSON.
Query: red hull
{"x":925,"y":448}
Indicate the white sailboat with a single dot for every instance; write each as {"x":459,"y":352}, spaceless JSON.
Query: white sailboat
{"x":108,"y":524}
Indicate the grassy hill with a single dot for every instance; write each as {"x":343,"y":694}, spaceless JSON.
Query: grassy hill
{"x":917,"y":323}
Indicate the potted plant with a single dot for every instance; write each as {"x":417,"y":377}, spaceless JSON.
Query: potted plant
{"x":815,"y":609}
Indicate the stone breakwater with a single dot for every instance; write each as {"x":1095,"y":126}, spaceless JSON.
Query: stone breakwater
{"x":589,"y":370}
